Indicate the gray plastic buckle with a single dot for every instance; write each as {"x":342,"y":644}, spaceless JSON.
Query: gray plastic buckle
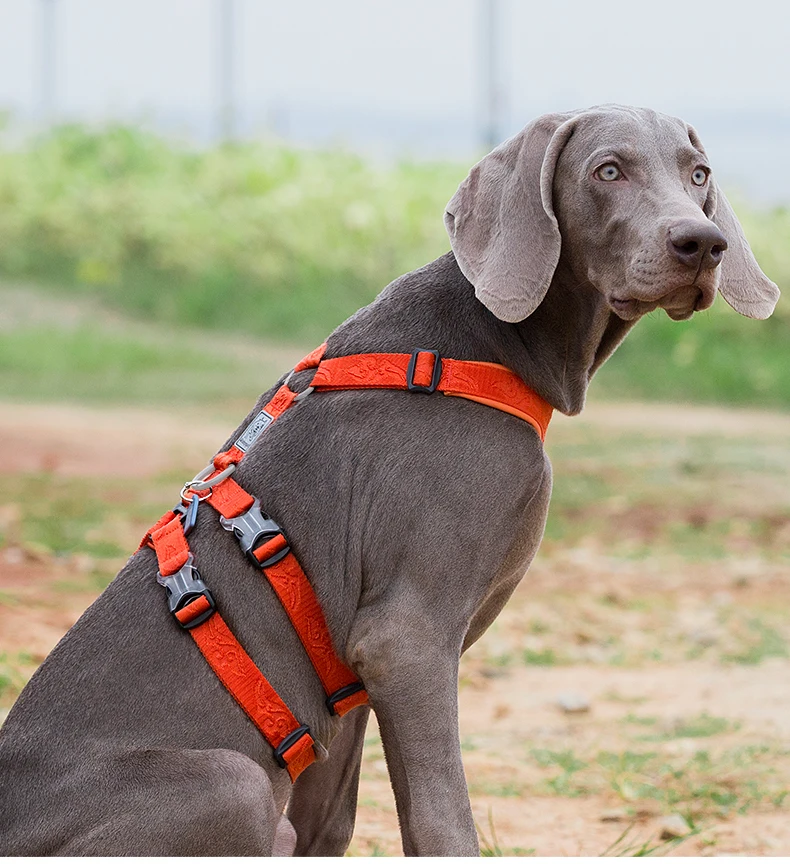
{"x":182,"y":588}
{"x":252,"y":529}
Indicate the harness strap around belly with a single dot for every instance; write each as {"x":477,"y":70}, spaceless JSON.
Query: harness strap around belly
{"x":266,"y":547}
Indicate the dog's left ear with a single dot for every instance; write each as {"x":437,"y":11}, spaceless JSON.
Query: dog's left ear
{"x":501,"y":221}
{"x":741,"y":281}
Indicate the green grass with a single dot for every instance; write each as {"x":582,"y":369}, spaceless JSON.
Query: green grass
{"x":617,"y":486}
{"x":715,"y":357}
{"x":759,"y":642}
{"x":97,"y":517}
{"x":587,"y":632}
{"x":15,"y":670}
{"x":490,"y":846}
{"x":702,"y":726}
{"x":625,"y":847}
{"x":543,"y":657}
{"x":704,"y":785}
{"x":261,"y":238}
{"x":569,"y":764}
{"x":498,"y":790}
{"x":75,"y":351}
{"x":88,"y":364}
{"x":640,"y":721}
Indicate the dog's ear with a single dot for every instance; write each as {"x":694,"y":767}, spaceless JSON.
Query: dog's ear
{"x":741,"y":281}
{"x":501,"y":221}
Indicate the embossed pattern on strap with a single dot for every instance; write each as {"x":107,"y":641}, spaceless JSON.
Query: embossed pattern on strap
{"x":487,"y":383}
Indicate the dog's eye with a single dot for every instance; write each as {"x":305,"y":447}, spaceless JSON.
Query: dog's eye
{"x":610,"y":171}
{"x":699,"y":176}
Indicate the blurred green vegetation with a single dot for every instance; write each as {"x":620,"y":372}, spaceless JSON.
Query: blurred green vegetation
{"x":283,"y":244}
{"x":270,"y":240}
{"x":91,"y":362}
{"x":87,"y":362}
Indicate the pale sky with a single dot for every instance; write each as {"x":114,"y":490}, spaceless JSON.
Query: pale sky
{"x":404,"y":74}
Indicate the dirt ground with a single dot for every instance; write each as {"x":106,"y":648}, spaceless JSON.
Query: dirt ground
{"x":616,"y":691}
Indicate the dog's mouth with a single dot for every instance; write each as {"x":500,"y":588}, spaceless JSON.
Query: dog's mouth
{"x":629,"y":308}
{"x":679,"y":304}
{"x":682,"y":304}
{"x":679,"y":314}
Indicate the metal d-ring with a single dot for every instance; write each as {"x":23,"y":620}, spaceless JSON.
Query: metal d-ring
{"x":304,"y":394}
{"x":199,"y":483}
{"x":299,"y":396}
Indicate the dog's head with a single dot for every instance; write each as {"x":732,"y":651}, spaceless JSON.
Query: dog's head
{"x":627,"y":198}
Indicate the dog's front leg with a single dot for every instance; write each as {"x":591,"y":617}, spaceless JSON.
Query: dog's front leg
{"x":323,"y":805}
{"x":417,"y":712}
{"x":412,"y":679}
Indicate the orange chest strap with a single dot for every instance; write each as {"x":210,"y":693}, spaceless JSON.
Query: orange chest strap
{"x":266,"y":547}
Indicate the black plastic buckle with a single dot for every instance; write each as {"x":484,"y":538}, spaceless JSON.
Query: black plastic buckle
{"x":252,"y":529}
{"x":342,"y":693}
{"x":182,"y":588}
{"x":435,"y":376}
{"x":288,"y":742}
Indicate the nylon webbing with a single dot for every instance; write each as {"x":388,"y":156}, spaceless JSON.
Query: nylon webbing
{"x":485,"y":383}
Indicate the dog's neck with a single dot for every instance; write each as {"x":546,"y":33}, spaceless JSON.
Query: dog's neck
{"x":566,"y":340}
{"x":555,"y":351}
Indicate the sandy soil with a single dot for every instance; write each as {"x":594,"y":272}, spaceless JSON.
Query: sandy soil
{"x":506,"y":712}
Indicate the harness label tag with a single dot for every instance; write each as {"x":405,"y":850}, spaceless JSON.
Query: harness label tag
{"x":254,"y":431}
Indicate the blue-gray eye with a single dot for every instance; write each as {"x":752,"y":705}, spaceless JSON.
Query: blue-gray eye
{"x":610,"y":171}
{"x":699,"y":177}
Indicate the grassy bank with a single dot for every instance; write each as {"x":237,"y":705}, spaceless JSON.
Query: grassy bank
{"x":283,"y":244}
{"x":259,"y":238}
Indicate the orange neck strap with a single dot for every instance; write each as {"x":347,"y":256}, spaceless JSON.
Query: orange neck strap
{"x":425,"y":371}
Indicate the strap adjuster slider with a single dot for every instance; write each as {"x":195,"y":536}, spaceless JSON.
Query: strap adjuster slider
{"x":342,"y":693}
{"x":285,"y":745}
{"x":436,"y":374}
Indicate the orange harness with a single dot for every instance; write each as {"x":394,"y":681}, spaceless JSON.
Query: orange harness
{"x":266,"y":547}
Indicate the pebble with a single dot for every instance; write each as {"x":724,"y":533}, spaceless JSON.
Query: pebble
{"x":573,"y":703}
{"x":615,"y":814}
{"x":673,"y":826}
{"x":14,"y":555}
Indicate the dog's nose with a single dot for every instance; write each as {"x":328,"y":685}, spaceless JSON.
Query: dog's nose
{"x":696,"y":244}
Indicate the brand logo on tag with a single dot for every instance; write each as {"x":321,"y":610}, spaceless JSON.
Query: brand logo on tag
{"x":254,"y":431}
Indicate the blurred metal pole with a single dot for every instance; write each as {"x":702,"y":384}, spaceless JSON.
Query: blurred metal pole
{"x":47,"y":60}
{"x":227,"y":118}
{"x":491,"y":93}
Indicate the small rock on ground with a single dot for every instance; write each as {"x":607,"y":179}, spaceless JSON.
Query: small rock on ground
{"x":673,"y":826}
{"x":573,"y":703}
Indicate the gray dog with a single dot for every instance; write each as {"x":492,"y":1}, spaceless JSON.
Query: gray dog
{"x":415,"y":517}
